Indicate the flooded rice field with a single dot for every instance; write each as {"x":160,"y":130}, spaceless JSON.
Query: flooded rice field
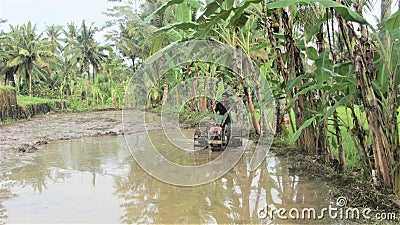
{"x":96,"y":180}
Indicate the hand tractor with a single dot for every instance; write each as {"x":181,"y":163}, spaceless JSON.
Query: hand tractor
{"x":217,"y":137}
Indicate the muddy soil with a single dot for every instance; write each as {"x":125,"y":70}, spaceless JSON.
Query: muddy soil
{"x":357,"y":193}
{"x":28,"y":135}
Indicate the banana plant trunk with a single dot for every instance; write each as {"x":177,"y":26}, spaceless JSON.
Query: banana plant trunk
{"x":203,"y":98}
{"x":307,"y":139}
{"x":342,"y":158}
{"x":247,"y":93}
{"x":375,"y":121}
{"x":165,"y":93}
{"x":362,"y":59}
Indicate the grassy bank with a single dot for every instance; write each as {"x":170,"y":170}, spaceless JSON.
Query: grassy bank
{"x":27,"y":100}
{"x":15,"y":107}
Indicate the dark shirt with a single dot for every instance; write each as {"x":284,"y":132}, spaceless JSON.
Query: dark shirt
{"x":221,"y":109}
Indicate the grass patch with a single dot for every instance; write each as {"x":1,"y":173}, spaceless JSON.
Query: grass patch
{"x":27,"y":100}
{"x":353,"y":158}
{"x":6,"y":87}
{"x":31,"y":106}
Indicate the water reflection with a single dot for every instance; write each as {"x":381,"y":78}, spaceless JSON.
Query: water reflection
{"x":96,"y":180}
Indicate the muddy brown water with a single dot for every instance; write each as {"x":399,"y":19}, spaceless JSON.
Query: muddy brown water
{"x":96,"y":180}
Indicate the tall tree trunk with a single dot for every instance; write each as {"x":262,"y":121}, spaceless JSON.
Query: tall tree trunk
{"x":308,"y":136}
{"x":362,"y":145}
{"x":203,"y":99}
{"x":254,"y":119}
{"x":280,"y":120}
{"x":70,"y":102}
{"x":201,"y":93}
{"x":323,"y":141}
{"x":194,"y":91}
{"x":280,"y":64}
{"x":87,"y":98}
{"x":114,"y":99}
{"x":386,"y":11}
{"x":9,"y":78}
{"x":88,"y":74}
{"x":165,"y":93}
{"x":342,"y":158}
{"x":362,"y":59}
{"x":247,"y":93}
{"x":30,"y":70}
{"x":94,"y":74}
{"x":176,"y":97}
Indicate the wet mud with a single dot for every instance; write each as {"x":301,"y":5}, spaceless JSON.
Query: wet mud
{"x":26,"y":136}
{"x":359,"y":194}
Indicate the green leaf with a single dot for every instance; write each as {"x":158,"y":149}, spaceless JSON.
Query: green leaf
{"x":194,"y":3}
{"x":344,"y":11}
{"x":393,"y":22}
{"x":179,"y":25}
{"x":23,"y":52}
{"x":304,"y":91}
{"x":16,"y":61}
{"x":238,"y":11}
{"x":323,"y":60}
{"x":293,"y":12}
{"x":279,"y":36}
{"x":312,"y":53}
{"x":174,"y":35}
{"x":157,"y":43}
{"x":258,"y":47}
{"x":342,"y":102}
{"x":162,"y":9}
{"x":209,"y":10}
{"x":41,"y":63}
{"x":306,"y":124}
{"x":227,"y":4}
{"x":336,"y":76}
{"x":344,"y":68}
{"x":381,"y":82}
{"x":206,"y":28}
{"x":292,"y":83}
{"x":183,"y":12}
{"x":314,"y":29}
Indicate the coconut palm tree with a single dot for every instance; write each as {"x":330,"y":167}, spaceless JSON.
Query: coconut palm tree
{"x":4,"y":58}
{"x":53,"y":33}
{"x":129,"y":40}
{"x":84,"y":49}
{"x":28,"y":54}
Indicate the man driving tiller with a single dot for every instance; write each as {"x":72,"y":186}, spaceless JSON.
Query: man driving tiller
{"x":218,"y":136}
{"x":222,"y":109}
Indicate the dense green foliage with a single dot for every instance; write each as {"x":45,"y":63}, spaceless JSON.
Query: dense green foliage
{"x":63,"y":63}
